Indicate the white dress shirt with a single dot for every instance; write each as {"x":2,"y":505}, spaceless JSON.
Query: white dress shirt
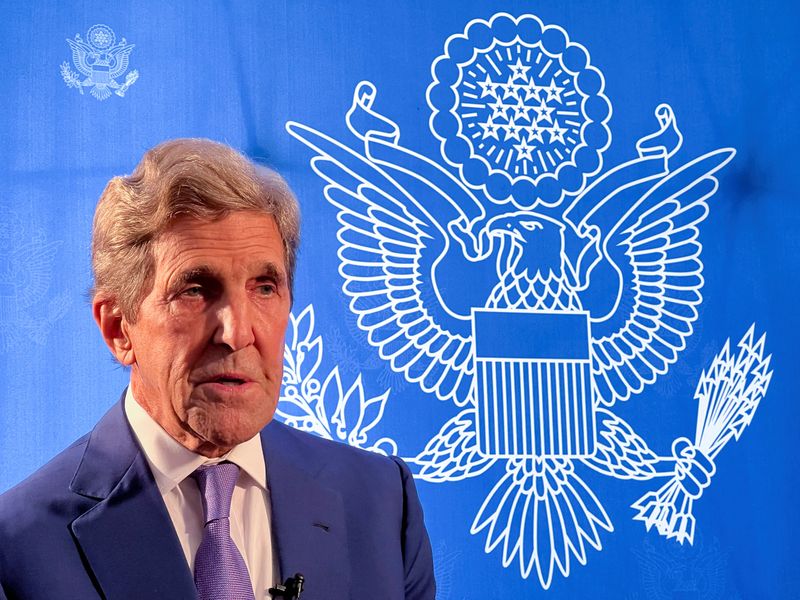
{"x":172,"y":465}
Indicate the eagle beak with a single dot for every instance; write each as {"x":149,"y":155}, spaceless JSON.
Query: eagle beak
{"x":512,"y":233}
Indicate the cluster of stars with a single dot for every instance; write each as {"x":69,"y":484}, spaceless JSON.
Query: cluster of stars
{"x":519,"y":111}
{"x":100,"y":37}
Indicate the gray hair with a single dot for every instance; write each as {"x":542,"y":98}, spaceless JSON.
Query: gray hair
{"x":185,"y":177}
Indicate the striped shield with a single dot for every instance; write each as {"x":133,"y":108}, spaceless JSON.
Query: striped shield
{"x":533,"y":383}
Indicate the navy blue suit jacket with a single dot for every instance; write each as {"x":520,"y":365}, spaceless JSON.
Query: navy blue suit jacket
{"x":92,"y":524}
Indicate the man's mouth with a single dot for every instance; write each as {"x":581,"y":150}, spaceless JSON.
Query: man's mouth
{"x":229,"y":380}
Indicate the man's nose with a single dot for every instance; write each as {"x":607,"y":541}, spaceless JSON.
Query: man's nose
{"x":235,"y":323}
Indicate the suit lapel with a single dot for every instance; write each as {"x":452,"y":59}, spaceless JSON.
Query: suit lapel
{"x":131,"y":546}
{"x":307,"y":517}
{"x":127,"y":538}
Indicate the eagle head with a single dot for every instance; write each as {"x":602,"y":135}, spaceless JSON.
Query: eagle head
{"x":537,"y":242}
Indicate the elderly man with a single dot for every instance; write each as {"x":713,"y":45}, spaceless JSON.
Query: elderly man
{"x":187,"y":488}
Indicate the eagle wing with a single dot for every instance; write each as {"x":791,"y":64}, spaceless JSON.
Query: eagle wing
{"x":452,"y":454}
{"x":655,"y":251}
{"x":31,"y":268}
{"x":80,"y":49}
{"x":389,"y":246}
{"x":121,"y":54}
{"x":621,"y":452}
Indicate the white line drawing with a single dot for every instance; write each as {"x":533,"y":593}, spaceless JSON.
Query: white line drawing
{"x":446,"y":569}
{"x":100,"y":60}
{"x":27,"y":259}
{"x":583,"y":288}
{"x":323,"y":406}
{"x":667,"y":571}
{"x":728,"y":395}
{"x":520,"y":82}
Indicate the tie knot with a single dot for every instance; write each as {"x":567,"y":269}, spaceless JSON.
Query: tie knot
{"x":216,"y":483}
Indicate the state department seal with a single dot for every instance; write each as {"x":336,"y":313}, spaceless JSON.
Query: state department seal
{"x":519,"y":110}
{"x":101,"y":60}
{"x":582,"y":286}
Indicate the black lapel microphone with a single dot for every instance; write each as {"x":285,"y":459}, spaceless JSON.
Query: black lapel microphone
{"x":291,"y":588}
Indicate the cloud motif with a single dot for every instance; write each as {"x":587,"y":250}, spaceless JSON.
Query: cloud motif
{"x":519,"y":110}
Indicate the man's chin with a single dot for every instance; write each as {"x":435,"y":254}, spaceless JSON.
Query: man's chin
{"x":219,"y":429}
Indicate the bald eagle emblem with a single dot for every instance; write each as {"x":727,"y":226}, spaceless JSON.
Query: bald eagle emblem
{"x":100,"y":61}
{"x":535,"y":289}
{"x":29,"y":308}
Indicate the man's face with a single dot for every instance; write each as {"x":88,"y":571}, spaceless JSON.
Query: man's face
{"x":207,"y":346}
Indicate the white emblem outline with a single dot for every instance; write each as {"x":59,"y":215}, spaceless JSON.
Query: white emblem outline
{"x":321,"y":405}
{"x":637,"y":224}
{"x":101,"y":61}
{"x":27,"y":260}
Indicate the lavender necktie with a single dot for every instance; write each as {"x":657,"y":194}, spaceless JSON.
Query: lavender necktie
{"x":219,"y":569}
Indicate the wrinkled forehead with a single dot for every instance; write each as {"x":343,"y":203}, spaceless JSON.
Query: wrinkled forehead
{"x":240,"y":241}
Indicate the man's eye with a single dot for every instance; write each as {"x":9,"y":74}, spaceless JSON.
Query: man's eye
{"x":266,"y":289}
{"x":193,"y":292}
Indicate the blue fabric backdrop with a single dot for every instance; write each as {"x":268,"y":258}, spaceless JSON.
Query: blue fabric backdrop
{"x":508,"y":120}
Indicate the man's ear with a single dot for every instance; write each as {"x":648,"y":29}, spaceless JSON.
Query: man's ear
{"x":114,"y":329}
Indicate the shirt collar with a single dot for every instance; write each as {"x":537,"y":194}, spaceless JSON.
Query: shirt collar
{"x":171,"y":463}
